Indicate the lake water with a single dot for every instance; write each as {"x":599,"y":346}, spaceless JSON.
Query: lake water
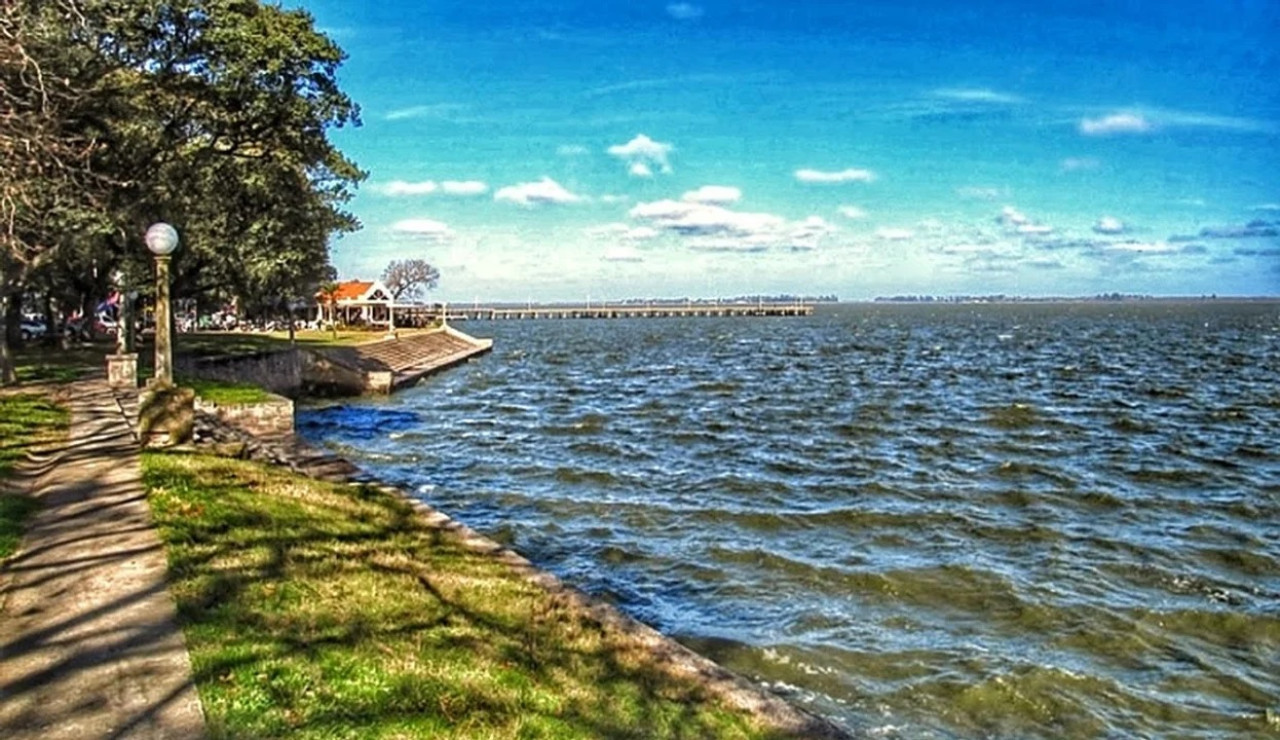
{"x":944,"y":521}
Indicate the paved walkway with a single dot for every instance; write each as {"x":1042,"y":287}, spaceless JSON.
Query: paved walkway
{"x":89,"y":644}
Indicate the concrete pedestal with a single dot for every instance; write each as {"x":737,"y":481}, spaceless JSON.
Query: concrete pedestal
{"x":122,"y":370}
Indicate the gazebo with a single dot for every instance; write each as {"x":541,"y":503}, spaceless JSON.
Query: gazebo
{"x":358,"y":302}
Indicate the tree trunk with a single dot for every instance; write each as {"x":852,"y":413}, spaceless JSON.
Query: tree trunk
{"x":8,"y":375}
{"x":13,"y":319}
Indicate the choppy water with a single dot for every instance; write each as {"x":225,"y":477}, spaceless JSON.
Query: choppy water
{"x":923,"y":521}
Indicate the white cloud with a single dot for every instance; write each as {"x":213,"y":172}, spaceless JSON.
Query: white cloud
{"x":528,"y":194}
{"x":400,"y":187}
{"x":894,"y":235}
{"x":684,"y":11}
{"x":1115,"y":123}
{"x":1267,"y":207}
{"x":1010,"y":216}
{"x":423,"y":229}
{"x":571,"y":150}
{"x":640,"y":169}
{"x":1143,"y":247}
{"x":711,"y":227}
{"x":976,"y":95}
{"x":622,"y":253}
{"x":623,"y":231}
{"x":853,"y":212}
{"x":713,"y":195}
{"x":847,"y":175}
{"x":1138,"y":120}
{"x":1207,"y":120}
{"x":397,"y":188}
{"x":438,"y":110}
{"x":464,"y":187}
{"x":1077,"y":164}
{"x":1109,"y":225}
{"x":615,"y":198}
{"x":808,"y":233}
{"x":701,"y":219}
{"x":976,"y":192}
{"x":1017,"y":222}
{"x":644,"y":151}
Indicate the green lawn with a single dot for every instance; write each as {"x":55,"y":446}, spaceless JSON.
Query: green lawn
{"x":316,"y":610}
{"x":37,"y":362}
{"x":220,"y":392}
{"x":27,"y":422}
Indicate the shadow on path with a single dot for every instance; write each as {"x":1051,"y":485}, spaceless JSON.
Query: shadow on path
{"x":89,"y":642}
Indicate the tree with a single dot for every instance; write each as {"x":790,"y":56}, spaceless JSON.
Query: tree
{"x":212,"y":115}
{"x":328,"y":293}
{"x":52,"y":97}
{"x":408,"y":278}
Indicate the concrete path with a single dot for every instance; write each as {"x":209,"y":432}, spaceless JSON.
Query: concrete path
{"x":89,"y":644}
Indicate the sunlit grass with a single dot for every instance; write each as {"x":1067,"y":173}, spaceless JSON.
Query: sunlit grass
{"x":322,"y":610}
{"x":223,"y":392}
{"x":28,"y":422}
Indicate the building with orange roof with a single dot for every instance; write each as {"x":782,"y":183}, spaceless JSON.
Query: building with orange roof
{"x":355,"y":302}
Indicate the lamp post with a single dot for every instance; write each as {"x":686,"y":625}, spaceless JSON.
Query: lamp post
{"x":162,"y":239}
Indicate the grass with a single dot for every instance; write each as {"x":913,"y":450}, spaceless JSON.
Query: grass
{"x":222,"y":392}
{"x":318,"y":610}
{"x":36,"y":362}
{"x":27,"y":422}
{"x":222,"y":344}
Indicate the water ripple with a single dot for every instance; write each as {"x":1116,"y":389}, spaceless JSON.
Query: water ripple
{"x":923,"y":521}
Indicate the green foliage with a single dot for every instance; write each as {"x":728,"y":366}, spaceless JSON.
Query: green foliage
{"x":212,"y":115}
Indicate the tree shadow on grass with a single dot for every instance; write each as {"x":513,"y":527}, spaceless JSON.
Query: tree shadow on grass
{"x":367,"y":618}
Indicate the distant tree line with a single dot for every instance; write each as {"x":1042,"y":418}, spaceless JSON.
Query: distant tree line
{"x":1002,"y":298}
{"x":211,"y":115}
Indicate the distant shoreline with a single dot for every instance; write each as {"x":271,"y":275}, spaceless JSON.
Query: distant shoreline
{"x":1101,"y":299}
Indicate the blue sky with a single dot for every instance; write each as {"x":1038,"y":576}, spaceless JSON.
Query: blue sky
{"x":539,"y":150}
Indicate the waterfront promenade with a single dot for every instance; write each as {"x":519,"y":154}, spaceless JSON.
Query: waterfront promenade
{"x":90,"y":645}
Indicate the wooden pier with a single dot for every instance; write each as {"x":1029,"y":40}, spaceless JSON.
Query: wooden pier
{"x":627,"y":311}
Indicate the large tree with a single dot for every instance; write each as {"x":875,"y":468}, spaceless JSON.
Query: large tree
{"x":212,"y":115}
{"x":408,"y":278}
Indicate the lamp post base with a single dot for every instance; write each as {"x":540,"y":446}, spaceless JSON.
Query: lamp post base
{"x":122,"y":370}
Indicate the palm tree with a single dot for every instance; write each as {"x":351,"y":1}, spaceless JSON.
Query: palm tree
{"x":329,"y":294}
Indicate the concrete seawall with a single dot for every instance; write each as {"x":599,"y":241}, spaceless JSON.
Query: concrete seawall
{"x":379,"y":366}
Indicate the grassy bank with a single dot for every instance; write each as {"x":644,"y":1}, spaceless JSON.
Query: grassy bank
{"x":27,"y":422}
{"x":320,"y":610}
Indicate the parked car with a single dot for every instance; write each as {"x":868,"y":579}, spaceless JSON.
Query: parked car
{"x":32,"y":328}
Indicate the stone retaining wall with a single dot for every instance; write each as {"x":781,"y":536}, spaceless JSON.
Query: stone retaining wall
{"x":271,"y":418}
{"x":278,"y":372}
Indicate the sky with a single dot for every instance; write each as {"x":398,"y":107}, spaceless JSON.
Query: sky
{"x":572,"y":150}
